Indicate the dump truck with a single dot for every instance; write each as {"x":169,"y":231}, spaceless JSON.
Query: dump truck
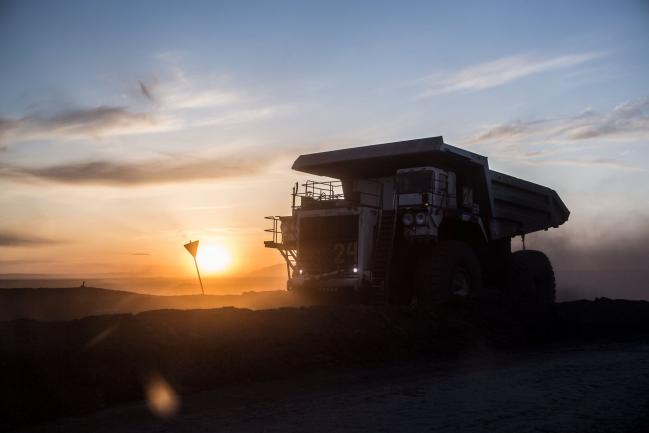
{"x":416,"y":221}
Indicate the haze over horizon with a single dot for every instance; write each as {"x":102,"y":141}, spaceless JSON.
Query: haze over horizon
{"x":128,"y":129}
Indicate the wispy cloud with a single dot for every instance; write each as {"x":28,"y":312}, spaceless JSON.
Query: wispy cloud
{"x":570,"y":140}
{"x":497,"y":72}
{"x":94,"y":122}
{"x":116,"y":173}
{"x":201,"y":99}
{"x":15,"y":239}
{"x":243,"y":116}
{"x":175,"y":103}
{"x":550,"y":159}
{"x":199,"y":102}
{"x":627,"y":121}
{"x":181,"y":94}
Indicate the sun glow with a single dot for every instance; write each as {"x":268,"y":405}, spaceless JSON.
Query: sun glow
{"x":213,"y":258}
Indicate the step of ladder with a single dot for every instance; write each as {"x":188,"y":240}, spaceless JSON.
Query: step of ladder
{"x":382,"y":256}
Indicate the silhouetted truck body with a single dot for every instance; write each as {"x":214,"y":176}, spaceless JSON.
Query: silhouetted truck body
{"x":414,"y":221}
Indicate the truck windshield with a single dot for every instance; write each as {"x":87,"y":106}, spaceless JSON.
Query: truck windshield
{"x":419,"y":181}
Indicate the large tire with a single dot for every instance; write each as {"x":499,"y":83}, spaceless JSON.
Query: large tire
{"x":531,"y":278}
{"x":451,"y":270}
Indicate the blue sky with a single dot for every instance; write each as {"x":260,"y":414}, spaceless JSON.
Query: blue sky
{"x":133,"y":106}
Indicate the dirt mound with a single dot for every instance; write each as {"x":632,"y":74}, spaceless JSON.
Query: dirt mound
{"x":61,"y":368}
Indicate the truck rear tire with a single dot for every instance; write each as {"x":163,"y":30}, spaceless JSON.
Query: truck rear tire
{"x":451,"y":270}
{"x":531,"y":278}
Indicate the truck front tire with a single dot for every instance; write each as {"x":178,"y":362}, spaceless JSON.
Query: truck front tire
{"x":451,"y":270}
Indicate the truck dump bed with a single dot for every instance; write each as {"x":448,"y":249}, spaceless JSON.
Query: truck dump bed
{"x":521,"y":207}
{"x":510,"y":206}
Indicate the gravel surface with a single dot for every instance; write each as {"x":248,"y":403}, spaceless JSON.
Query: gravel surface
{"x":588,"y":388}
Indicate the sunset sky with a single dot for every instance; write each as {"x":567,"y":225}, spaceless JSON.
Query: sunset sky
{"x":129,"y":128}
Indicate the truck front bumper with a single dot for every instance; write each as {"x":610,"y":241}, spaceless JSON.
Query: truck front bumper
{"x":342,"y":284}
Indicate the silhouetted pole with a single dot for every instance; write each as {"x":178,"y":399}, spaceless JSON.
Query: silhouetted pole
{"x":192,"y":247}
{"x":199,"y":276}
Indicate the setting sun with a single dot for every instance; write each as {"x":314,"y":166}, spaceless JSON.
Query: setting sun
{"x":213,"y":258}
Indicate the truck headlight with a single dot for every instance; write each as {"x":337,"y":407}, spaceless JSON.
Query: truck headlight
{"x":420,"y":218}
{"x":407,"y":219}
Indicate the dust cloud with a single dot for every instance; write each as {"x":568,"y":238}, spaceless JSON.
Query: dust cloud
{"x":600,"y":263}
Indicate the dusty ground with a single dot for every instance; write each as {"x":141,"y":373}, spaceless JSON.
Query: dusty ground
{"x":52,"y":370}
{"x":595,"y":388}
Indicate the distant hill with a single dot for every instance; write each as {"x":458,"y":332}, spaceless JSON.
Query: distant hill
{"x":77,"y":302}
{"x":272,"y":271}
{"x":260,"y":279}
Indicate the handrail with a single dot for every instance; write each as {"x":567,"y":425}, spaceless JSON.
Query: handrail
{"x":331,"y":190}
{"x":274,"y":230}
{"x":326,"y":190}
{"x":320,"y":191}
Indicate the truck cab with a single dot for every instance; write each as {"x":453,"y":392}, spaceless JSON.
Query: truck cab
{"x":423,"y":193}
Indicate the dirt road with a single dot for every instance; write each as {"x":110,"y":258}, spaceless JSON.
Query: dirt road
{"x":596,"y":388}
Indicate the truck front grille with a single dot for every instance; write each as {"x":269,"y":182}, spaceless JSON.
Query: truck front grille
{"x":328,"y":243}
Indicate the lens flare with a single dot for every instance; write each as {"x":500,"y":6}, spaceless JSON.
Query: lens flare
{"x":161,"y":399}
